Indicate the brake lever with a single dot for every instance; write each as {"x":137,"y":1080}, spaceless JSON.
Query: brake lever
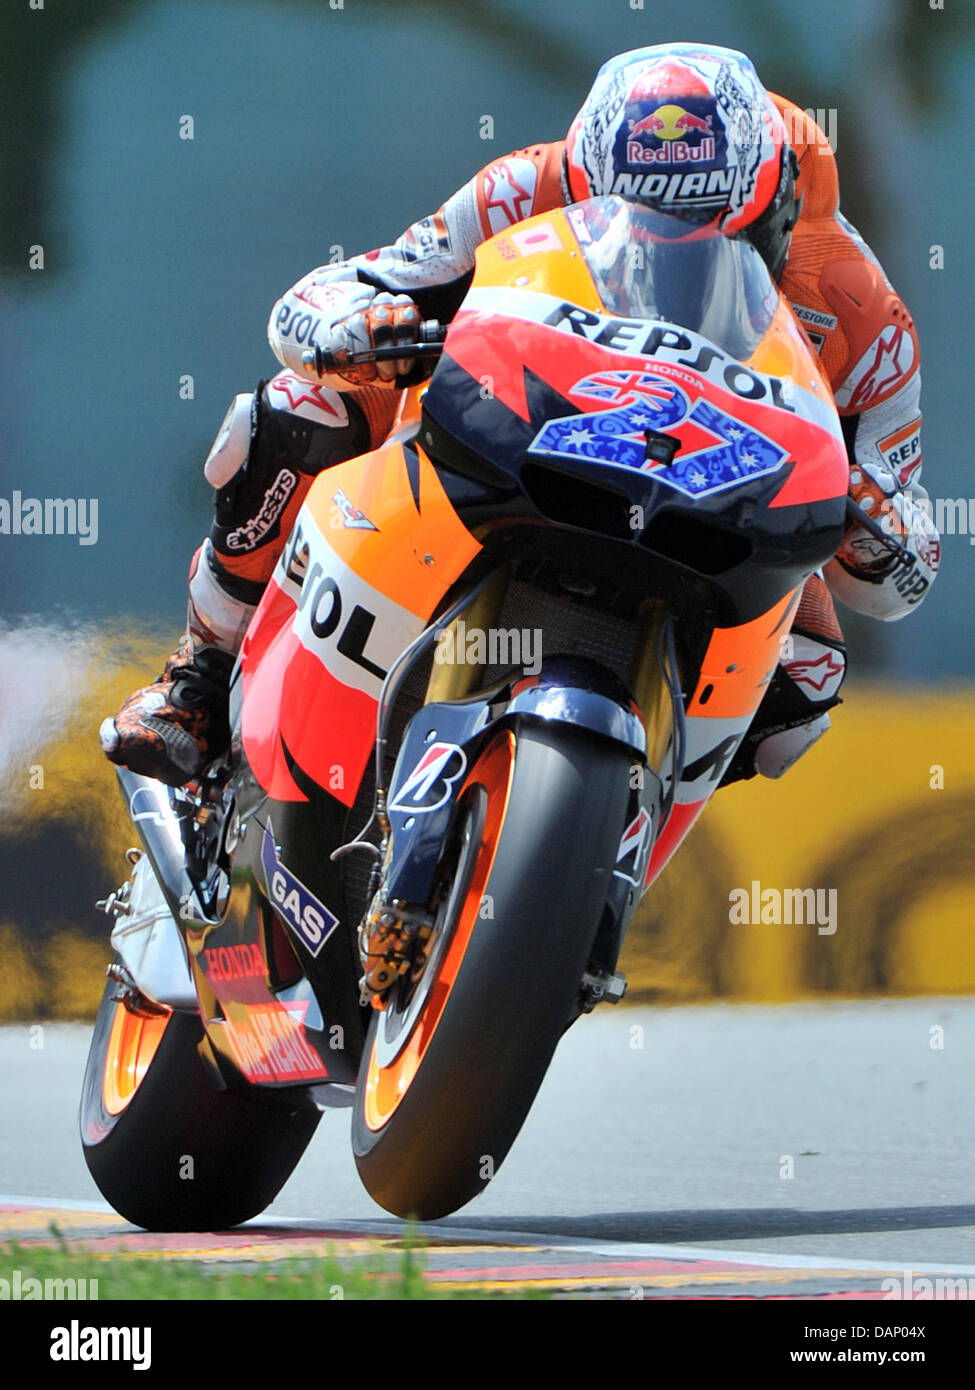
{"x":856,"y":514}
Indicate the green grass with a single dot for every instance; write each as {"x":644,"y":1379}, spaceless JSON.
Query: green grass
{"x":374,"y":1276}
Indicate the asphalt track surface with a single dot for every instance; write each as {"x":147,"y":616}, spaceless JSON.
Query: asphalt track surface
{"x":662,"y":1166}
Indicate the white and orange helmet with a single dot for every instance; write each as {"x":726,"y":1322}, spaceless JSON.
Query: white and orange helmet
{"x":689,"y":130}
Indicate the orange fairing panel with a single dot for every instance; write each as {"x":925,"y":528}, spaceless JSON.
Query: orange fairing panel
{"x":414,"y":553}
{"x":739,"y":662}
{"x":531,"y":256}
{"x":362,"y":572}
{"x":785,"y":352}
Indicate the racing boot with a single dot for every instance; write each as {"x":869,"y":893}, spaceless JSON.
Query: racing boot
{"x":174,"y":727}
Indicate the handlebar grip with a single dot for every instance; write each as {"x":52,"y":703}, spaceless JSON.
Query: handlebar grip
{"x":429,"y":344}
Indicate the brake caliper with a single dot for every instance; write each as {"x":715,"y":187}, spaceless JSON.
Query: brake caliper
{"x":391,"y":942}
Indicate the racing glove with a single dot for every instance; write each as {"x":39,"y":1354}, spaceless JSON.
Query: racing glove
{"x":378,"y":320}
{"x":899,"y":580}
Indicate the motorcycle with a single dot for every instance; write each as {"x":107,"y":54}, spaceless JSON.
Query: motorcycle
{"x":503,"y":664}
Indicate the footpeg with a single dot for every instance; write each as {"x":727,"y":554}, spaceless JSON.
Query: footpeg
{"x":602,"y":988}
{"x":131,"y":997}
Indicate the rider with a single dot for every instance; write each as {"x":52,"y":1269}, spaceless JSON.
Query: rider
{"x":687,"y":129}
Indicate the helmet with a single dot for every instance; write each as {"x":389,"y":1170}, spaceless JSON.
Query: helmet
{"x":688,"y":129}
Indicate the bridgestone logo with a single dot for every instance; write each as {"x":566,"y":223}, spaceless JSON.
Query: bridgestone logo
{"x":813,"y":316}
{"x":714,"y":186}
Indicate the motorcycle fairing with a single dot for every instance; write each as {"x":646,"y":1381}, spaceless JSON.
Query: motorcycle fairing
{"x":346,"y":597}
{"x":341,"y":605}
{"x":533,"y":281}
{"x":260,"y":1012}
{"x":498,"y":335}
{"x":343,"y":602}
{"x":737,"y":667}
{"x":532,"y":329}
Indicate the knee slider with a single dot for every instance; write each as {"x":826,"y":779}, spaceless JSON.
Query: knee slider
{"x":794,"y":712}
{"x":775,"y":754}
{"x":232,"y":444}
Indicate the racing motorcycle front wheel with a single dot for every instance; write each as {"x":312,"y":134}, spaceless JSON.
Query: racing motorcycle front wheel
{"x":169,"y":1151}
{"x":454,"y":1060}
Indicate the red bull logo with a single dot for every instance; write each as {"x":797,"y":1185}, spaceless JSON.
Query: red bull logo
{"x":671,"y":125}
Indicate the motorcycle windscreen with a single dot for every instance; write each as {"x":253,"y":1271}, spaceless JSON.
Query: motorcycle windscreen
{"x":645,"y":265}
{"x":649,"y":328}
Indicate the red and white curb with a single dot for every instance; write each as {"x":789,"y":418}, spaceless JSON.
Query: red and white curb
{"x":471,"y":1259}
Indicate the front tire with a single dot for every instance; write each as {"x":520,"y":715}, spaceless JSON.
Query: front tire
{"x":444,"y":1088}
{"x":168,"y":1150}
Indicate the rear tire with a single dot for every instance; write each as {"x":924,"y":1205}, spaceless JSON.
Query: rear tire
{"x":442,"y":1093}
{"x":168,"y":1150}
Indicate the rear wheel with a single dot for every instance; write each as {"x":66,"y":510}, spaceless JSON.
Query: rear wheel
{"x":167,"y":1149}
{"x":453,"y":1063}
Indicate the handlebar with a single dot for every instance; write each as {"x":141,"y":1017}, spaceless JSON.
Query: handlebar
{"x":429,"y":344}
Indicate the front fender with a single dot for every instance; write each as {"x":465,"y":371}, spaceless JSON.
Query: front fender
{"x":573,"y":690}
{"x":443,"y":739}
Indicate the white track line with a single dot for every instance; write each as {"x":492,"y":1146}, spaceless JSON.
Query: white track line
{"x":620,"y":1249}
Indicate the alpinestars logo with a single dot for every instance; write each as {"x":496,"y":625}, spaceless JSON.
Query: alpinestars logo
{"x":887,"y":362}
{"x":311,"y":401}
{"x":509,"y":191}
{"x":815,"y":673}
{"x":276,"y":498}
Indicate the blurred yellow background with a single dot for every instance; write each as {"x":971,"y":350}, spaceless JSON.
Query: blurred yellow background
{"x":881,"y":811}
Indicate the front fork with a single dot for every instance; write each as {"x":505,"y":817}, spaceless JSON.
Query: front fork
{"x":446,"y":735}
